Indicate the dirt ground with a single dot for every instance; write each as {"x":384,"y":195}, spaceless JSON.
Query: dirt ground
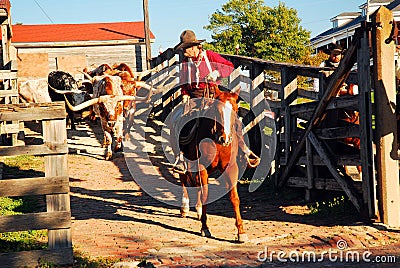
{"x":112,"y":217}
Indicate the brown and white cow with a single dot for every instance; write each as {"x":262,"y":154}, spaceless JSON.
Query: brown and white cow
{"x":130,"y":83}
{"x":107,"y":104}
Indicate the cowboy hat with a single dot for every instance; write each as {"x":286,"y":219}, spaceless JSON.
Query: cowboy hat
{"x":334,"y":48}
{"x":188,"y":39}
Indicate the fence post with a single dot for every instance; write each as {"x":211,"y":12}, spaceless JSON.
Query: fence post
{"x":386,"y":129}
{"x":366,"y":153}
{"x":54,"y":131}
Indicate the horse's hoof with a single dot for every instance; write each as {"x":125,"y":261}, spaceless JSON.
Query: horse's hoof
{"x":108,"y":156}
{"x":199,"y":211}
{"x":243,"y":238}
{"x":205,"y":233}
{"x":184,"y":212}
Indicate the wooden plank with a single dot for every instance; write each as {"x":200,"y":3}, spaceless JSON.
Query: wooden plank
{"x":57,"y":165}
{"x":386,"y":128}
{"x":34,"y":186}
{"x":350,"y":102}
{"x":33,"y":258}
{"x":32,"y":111}
{"x":8,"y":93}
{"x":288,"y":94}
{"x":351,"y":130}
{"x":8,"y":128}
{"x":35,"y":221}
{"x":343,"y":182}
{"x":310,"y":170}
{"x":43,"y":149}
{"x":322,"y":184}
{"x":303,"y":70}
{"x":338,"y":77}
{"x":366,"y":135}
{"x":348,"y":160}
{"x":5,"y":75}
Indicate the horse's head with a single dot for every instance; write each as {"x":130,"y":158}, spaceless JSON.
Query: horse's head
{"x":225,"y":112}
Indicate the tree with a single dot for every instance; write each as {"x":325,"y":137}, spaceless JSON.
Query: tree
{"x":260,"y":31}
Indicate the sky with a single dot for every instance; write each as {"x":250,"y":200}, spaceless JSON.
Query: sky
{"x":167,"y":18}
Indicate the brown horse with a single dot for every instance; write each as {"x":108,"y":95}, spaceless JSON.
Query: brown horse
{"x":213,"y":147}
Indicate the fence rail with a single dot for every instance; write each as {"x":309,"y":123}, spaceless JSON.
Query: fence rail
{"x":55,"y":186}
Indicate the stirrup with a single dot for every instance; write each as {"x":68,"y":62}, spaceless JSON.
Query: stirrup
{"x":252,"y":160}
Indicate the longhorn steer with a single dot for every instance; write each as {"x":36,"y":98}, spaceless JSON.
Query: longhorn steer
{"x":130,"y":83}
{"x":108,"y":105}
{"x":62,"y":86}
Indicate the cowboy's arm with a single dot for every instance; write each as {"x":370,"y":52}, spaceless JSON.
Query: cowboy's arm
{"x":219,"y":63}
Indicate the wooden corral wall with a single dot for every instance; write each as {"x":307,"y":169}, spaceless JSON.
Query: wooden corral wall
{"x":8,"y":70}
{"x":36,"y":63}
{"x":307,"y":155}
{"x":55,"y":185}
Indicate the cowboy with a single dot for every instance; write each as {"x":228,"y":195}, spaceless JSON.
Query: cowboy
{"x":335,"y":52}
{"x":201,"y":69}
{"x":200,"y":74}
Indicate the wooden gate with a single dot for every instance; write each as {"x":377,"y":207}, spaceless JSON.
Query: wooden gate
{"x":55,"y":186}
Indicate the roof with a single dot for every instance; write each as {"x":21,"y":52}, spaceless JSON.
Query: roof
{"x":349,"y":14}
{"x":392,"y":6}
{"x":42,"y":33}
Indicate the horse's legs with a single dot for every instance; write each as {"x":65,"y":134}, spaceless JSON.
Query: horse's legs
{"x":204,"y":197}
{"x":199,"y":206}
{"x":185,"y":196}
{"x":231,"y":179}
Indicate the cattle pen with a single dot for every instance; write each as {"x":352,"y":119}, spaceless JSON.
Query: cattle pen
{"x":310,"y":153}
{"x":309,"y":150}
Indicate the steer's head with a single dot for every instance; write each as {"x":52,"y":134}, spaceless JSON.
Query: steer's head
{"x":110,"y":108}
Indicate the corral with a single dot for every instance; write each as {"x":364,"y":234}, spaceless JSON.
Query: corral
{"x":112,"y":216}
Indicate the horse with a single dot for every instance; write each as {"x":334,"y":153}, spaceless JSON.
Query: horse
{"x":213,"y":147}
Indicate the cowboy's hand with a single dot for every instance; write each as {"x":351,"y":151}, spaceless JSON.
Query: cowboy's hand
{"x":185,"y":99}
{"x":213,"y":76}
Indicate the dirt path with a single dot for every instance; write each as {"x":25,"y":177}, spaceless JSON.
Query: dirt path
{"x":113,"y":217}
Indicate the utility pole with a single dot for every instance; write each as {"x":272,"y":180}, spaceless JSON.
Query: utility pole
{"x":147,"y":32}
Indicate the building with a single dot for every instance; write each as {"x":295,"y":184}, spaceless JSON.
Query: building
{"x":344,"y":24}
{"x":40,"y":49}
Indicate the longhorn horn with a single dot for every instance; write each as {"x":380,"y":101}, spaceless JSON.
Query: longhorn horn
{"x":82,"y":105}
{"x":87,"y":76}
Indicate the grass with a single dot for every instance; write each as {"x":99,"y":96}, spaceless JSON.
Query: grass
{"x":24,"y":167}
{"x":23,"y":240}
{"x":339,"y":205}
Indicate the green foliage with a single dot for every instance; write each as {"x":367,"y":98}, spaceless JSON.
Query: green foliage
{"x":335,"y":206}
{"x":260,"y":31}
{"x":85,"y":262}
{"x":24,"y":240}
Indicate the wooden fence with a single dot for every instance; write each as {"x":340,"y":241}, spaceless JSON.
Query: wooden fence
{"x":55,"y":186}
{"x":307,"y":155}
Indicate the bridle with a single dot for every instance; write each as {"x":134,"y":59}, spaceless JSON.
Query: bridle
{"x":219,"y":139}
